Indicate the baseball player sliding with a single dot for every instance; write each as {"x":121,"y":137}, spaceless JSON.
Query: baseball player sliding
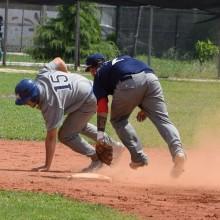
{"x":56,"y":93}
{"x":132,"y":83}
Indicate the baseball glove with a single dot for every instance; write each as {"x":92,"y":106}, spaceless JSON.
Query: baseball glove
{"x":104,"y":152}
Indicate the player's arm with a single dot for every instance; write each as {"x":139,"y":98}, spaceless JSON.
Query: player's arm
{"x":102,"y":114}
{"x":60,"y":65}
{"x":50,"y":145}
{"x":56,"y":64}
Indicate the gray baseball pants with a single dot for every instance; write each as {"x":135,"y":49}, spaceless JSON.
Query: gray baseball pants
{"x":143,"y":90}
{"x":76,"y":123}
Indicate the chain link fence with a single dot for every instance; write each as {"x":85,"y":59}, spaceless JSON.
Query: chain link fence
{"x":173,"y":31}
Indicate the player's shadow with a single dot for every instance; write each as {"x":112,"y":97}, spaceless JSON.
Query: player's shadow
{"x":32,"y":171}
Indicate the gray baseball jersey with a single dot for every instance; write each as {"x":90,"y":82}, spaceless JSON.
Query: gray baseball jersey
{"x":60,"y":93}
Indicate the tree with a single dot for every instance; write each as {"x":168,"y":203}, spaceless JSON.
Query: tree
{"x":56,"y":37}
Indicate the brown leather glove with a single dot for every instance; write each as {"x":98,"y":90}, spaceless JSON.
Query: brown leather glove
{"x":104,"y":152}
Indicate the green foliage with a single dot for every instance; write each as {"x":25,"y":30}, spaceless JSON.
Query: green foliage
{"x":109,"y":49}
{"x":57,"y":37}
{"x":112,"y":37}
{"x":205,"y":51}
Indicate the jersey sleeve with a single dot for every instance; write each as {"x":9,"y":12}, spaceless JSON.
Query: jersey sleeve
{"x":49,"y":67}
{"x":53,"y":117}
{"x":98,"y":90}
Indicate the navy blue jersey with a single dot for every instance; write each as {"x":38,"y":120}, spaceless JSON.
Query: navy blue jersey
{"x":111,"y":72}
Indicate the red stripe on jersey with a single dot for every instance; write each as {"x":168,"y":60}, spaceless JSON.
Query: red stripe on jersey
{"x":102,"y":105}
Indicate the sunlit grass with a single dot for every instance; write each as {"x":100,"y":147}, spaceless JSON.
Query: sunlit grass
{"x":32,"y":206}
{"x":188,"y":103}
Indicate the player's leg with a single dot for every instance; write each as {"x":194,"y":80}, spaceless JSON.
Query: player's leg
{"x":69,"y":132}
{"x":154,"y":104}
{"x":69,"y":135}
{"x":125,"y":99}
{"x":73,"y":125}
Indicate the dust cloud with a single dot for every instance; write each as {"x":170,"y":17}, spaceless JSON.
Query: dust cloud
{"x":202,"y":168}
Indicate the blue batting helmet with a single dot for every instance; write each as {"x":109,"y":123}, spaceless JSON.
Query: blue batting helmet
{"x":94,"y":60}
{"x":25,"y":91}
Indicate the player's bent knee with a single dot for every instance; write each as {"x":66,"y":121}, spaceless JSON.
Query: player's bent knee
{"x":65,"y":137}
{"x":118,"y":123}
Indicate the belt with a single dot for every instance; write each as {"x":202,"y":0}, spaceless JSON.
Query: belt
{"x":126,"y":78}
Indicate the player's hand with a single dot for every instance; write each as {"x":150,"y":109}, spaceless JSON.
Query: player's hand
{"x":141,"y":116}
{"x":100,"y":138}
{"x":43,"y":168}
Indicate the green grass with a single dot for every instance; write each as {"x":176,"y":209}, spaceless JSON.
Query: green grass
{"x":31,"y":206}
{"x":19,"y":58}
{"x":8,"y":82}
{"x":191,"y":105}
{"x":163,"y":67}
{"x":183,"y":69}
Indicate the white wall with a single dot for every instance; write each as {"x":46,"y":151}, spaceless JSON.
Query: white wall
{"x":21,"y":26}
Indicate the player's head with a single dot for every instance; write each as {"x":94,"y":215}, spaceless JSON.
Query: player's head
{"x":94,"y":61}
{"x":26,"y":90}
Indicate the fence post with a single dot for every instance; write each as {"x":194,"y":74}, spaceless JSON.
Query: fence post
{"x":43,"y":14}
{"x":137,"y":30}
{"x":176,"y":33}
{"x":22,"y":30}
{"x":77,"y":33}
{"x":5,"y":33}
{"x":150,"y":34}
{"x":117,"y":25}
{"x":218,"y":66}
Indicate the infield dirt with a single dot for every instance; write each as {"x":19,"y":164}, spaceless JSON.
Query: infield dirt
{"x":149,"y":192}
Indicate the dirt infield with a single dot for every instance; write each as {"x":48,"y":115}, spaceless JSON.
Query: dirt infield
{"x":148,"y":192}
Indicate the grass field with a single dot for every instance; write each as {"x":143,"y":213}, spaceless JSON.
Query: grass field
{"x":190,"y":105}
{"x":183,"y":69}
{"x":30,"y":206}
{"x":163,"y":67}
{"x":13,"y":57}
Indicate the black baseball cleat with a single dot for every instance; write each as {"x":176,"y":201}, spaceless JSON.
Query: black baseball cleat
{"x":93,"y":167}
{"x":179,"y":162}
{"x":135,"y":165}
